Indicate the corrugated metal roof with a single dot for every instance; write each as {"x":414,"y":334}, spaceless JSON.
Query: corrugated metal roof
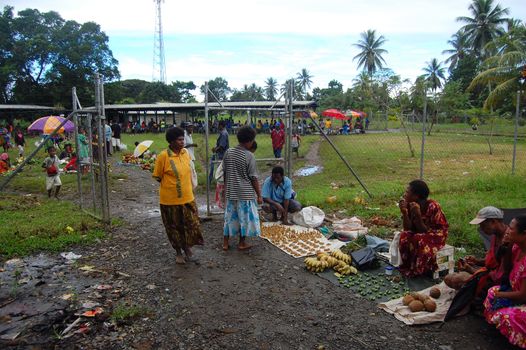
{"x":27,"y":107}
{"x":201,"y":105}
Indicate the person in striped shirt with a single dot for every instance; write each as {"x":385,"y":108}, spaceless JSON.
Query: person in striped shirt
{"x":242,"y":191}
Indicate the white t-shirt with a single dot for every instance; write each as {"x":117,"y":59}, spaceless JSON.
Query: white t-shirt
{"x":188,"y":141}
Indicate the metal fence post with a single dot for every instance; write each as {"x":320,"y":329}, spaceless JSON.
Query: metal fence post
{"x":422,"y":148}
{"x":515,"y":134}
{"x":76,"y":135}
{"x":207,"y":156}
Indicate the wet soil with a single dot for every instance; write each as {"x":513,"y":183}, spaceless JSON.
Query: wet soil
{"x":261,"y":299}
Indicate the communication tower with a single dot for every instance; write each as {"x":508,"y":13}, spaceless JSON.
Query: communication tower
{"x":159,"y":65}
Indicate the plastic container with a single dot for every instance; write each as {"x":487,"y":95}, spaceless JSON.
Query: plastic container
{"x":389,"y":270}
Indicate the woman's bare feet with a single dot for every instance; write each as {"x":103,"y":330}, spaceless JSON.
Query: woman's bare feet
{"x":225,"y":243}
{"x":179,"y":259}
{"x":243,"y":245}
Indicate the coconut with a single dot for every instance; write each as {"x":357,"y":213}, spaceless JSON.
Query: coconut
{"x":434,"y":293}
{"x":416,"y":306}
{"x":430,"y":305}
{"x":407,"y":299}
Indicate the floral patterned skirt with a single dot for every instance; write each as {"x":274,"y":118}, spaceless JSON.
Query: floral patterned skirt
{"x":182,"y":225}
{"x":510,"y":321}
{"x":241,"y":218}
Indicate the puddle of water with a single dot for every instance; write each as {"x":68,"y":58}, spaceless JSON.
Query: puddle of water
{"x":308,"y":170}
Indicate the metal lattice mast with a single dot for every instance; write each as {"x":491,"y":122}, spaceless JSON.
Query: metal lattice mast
{"x":159,"y":66}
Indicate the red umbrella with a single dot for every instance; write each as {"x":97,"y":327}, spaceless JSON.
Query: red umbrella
{"x":334,"y":113}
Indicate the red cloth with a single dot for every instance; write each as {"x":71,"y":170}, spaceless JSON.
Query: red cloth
{"x":3,"y":167}
{"x":72,"y":165}
{"x":510,"y":321}
{"x":278,"y":138}
{"x":491,"y":263}
{"x":418,"y":250}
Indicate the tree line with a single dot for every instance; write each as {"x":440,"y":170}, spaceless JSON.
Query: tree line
{"x":42,"y":56}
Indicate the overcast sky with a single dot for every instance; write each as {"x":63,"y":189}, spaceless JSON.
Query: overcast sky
{"x":248,"y":41}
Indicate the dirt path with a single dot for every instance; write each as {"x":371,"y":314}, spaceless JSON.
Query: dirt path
{"x":262,"y":299}
{"x":312,"y":158}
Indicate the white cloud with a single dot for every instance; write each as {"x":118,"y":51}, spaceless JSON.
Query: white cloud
{"x":268,"y":16}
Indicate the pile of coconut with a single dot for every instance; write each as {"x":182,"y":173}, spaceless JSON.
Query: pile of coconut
{"x":418,"y":302}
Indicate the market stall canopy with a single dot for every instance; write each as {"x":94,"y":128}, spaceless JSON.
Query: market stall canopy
{"x":46,"y":125}
{"x":142,"y":147}
{"x":334,"y":113}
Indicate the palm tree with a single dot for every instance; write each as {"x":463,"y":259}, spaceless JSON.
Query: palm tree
{"x":460,"y":49}
{"x":504,"y":68}
{"x":304,"y":80}
{"x":484,"y":25}
{"x":434,"y":74}
{"x":271,"y":88}
{"x":370,"y":57}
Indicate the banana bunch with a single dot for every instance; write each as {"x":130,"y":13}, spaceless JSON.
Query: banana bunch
{"x":315,"y":265}
{"x":338,"y":254}
{"x":332,"y":261}
{"x":345,"y":269}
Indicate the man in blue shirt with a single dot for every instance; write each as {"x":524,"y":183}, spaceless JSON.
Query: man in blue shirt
{"x":222,"y":141}
{"x":278,"y":196}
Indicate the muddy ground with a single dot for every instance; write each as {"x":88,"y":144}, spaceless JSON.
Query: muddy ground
{"x":262,"y":299}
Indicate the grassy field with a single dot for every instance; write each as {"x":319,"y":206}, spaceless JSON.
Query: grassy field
{"x":462,"y":175}
{"x":29,"y":224}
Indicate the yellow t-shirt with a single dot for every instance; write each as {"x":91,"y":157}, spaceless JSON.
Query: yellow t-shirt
{"x":328,"y":124}
{"x":176,"y":187}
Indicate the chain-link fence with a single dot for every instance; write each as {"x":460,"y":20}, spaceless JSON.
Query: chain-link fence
{"x":391,"y":147}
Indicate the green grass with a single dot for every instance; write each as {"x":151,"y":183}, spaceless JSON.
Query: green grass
{"x":124,"y":313}
{"x":31,"y":224}
{"x":462,"y":176}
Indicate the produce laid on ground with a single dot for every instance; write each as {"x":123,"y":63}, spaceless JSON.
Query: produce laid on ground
{"x":144,"y":163}
{"x":417,"y":302}
{"x":338,"y":261}
{"x":294,"y":242}
{"x":374,"y":287}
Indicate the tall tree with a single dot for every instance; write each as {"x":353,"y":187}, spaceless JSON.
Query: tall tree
{"x":219,"y":87}
{"x":304,"y":80}
{"x":503,"y":70}
{"x":434,"y":73}
{"x":51,"y":55}
{"x":460,"y":49}
{"x":370,"y":56}
{"x":271,"y":88}
{"x":484,"y":25}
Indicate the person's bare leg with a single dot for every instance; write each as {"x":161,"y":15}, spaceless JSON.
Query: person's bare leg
{"x":57,"y":190}
{"x":225,"y":243}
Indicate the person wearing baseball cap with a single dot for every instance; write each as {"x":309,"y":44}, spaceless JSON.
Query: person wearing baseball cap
{"x":490,"y":221}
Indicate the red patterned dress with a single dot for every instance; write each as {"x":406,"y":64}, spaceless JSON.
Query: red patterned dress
{"x":418,"y":250}
{"x":510,"y":321}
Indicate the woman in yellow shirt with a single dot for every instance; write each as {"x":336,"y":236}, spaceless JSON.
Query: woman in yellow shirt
{"x":178,"y":209}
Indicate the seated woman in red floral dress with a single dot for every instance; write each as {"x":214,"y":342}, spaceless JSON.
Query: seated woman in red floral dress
{"x":425,"y":230}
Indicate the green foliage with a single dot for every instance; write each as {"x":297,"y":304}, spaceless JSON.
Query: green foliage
{"x":219,"y":87}
{"x":140,"y":91}
{"x":47,"y":55}
{"x":370,"y":56}
{"x":453,"y":99}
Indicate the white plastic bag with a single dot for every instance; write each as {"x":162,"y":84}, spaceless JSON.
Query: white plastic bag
{"x":394,"y":250}
{"x":309,"y":217}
